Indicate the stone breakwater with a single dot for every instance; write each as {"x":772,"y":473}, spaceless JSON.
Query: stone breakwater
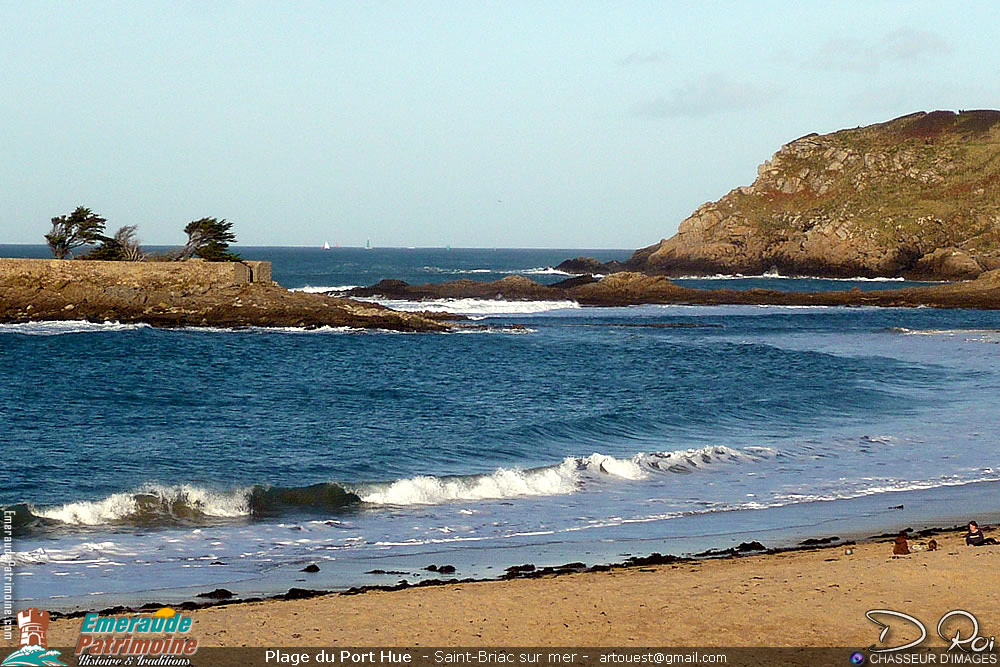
{"x":177,"y":294}
{"x":138,"y":274}
{"x":625,"y":289}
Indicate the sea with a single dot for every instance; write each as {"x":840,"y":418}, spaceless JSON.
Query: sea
{"x":145,"y":465}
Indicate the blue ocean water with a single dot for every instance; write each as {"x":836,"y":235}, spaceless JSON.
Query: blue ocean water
{"x":150,"y":465}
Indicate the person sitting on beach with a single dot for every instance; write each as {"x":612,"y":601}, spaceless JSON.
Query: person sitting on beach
{"x":901,"y":548}
{"x":975,"y":537}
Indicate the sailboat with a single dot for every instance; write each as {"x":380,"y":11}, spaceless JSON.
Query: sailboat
{"x":326,"y":245}
{"x":368,"y":244}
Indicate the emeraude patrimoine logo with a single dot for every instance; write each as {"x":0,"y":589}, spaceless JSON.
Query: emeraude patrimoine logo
{"x":32,"y":625}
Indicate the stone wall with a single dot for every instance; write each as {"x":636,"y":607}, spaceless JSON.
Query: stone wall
{"x":260,"y":272}
{"x":139,"y":274}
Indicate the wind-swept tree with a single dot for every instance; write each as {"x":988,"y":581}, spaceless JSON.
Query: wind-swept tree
{"x":123,"y":247}
{"x":79,"y":228}
{"x":209,"y":238}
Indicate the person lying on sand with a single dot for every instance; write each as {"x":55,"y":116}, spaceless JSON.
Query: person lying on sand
{"x":975,"y":537}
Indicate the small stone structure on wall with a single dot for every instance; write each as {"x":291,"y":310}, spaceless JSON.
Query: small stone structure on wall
{"x":222,"y":274}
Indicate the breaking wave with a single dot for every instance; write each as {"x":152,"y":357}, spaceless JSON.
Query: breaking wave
{"x":474,"y":306}
{"x":322,"y":289}
{"x":774,"y":275}
{"x":535,"y":271}
{"x":543,"y":271}
{"x":156,"y":505}
{"x":58,"y":327}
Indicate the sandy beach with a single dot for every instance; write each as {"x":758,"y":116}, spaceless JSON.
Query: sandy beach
{"x":816,"y":597}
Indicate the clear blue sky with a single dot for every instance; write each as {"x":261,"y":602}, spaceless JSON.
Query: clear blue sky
{"x":471,"y":123}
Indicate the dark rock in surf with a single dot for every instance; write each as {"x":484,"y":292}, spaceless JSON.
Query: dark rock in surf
{"x":520,"y":569}
{"x":584,"y":265}
{"x":301,"y":594}
{"x":651,"y":559}
{"x":575,"y":281}
{"x":217,"y":594}
{"x":742,"y":548}
{"x":599,"y":568}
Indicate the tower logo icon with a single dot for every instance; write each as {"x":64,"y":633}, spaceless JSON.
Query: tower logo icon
{"x":33,"y":624}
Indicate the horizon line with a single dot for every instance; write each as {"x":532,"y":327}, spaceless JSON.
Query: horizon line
{"x":361,"y":247}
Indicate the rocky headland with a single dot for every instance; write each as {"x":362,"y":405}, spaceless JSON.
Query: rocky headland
{"x":915,"y":197}
{"x":78,"y":290}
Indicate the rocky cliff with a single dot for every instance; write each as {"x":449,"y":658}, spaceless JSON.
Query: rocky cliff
{"x":918,"y":196}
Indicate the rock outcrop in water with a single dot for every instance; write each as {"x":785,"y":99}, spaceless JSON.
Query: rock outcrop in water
{"x":918,"y":196}
{"x":630,"y":288}
{"x":180,"y":302}
{"x":590,"y":265}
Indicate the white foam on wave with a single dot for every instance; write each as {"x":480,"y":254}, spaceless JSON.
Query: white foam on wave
{"x":983,"y":334}
{"x":495,"y":330}
{"x":474,"y":306}
{"x":304,"y":330}
{"x":643,"y":464}
{"x":560,"y":479}
{"x":543,"y":271}
{"x":877,"y":486}
{"x":272,"y":330}
{"x":455,"y":271}
{"x":504,"y":483}
{"x":320,"y":289}
{"x":609,"y":465}
{"x":56,"y":328}
{"x":82,"y":554}
{"x":121,"y":506}
{"x":873,"y":488}
{"x":59,"y":327}
{"x":534,"y":271}
{"x":777,"y":276}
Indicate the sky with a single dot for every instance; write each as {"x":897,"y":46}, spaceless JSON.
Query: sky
{"x":470,"y":124}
